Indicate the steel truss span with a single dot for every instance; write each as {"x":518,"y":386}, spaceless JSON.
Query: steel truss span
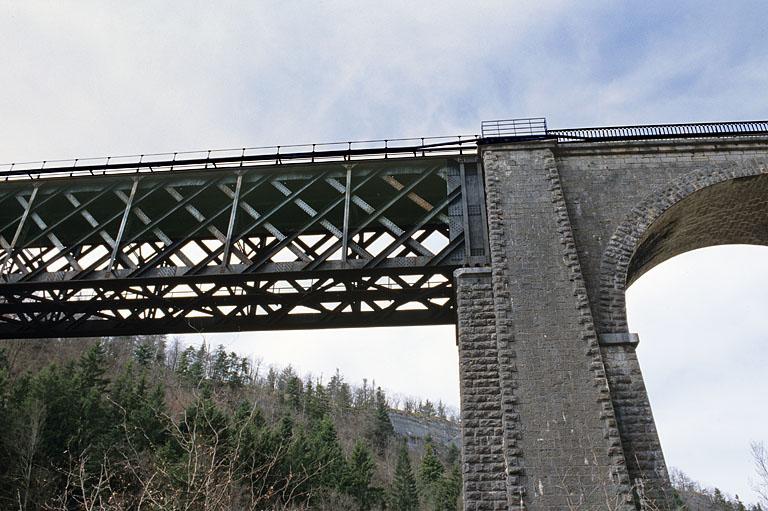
{"x":317,"y":245}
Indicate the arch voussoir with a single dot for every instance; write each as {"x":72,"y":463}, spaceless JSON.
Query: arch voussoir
{"x":615,"y":265}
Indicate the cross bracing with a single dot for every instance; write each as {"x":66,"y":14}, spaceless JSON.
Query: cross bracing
{"x":332,"y":244}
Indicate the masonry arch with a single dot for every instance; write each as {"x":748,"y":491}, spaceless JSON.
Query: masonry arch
{"x":707,"y":207}
{"x":704,"y":208}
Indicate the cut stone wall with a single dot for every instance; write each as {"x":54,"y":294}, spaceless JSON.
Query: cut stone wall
{"x":566,"y":441}
{"x":616,"y":189}
{"x":502,"y":307}
{"x":709,"y":206}
{"x":570,"y":227}
{"x":481,"y":423}
{"x":640,"y":440}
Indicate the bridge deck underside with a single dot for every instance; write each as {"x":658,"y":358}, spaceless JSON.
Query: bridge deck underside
{"x":324,"y":245}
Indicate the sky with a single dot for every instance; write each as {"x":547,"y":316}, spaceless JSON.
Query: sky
{"x":88,"y":78}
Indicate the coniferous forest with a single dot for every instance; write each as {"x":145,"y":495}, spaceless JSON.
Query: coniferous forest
{"x":149,"y":424}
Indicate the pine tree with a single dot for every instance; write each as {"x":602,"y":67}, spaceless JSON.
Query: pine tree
{"x":219,"y":366}
{"x":441,"y":409}
{"x":57,"y":388}
{"x":431,"y":477}
{"x":317,"y":405}
{"x":308,"y":398}
{"x":185,"y":360}
{"x":198,"y":367}
{"x":403,"y":495}
{"x":382,"y":429}
{"x":327,"y":454}
{"x":360,"y":471}
{"x":720,"y":502}
{"x":449,"y":490}
{"x":192,"y":365}
{"x":452,"y":457}
{"x":293,"y":392}
{"x":427,"y":408}
{"x":140,"y":409}
{"x":144,"y":354}
{"x":237,"y":370}
{"x":271,"y":380}
{"x":339,"y":393}
{"x":92,"y":367}
{"x":285,"y":428}
{"x":94,"y":414}
{"x":431,"y":469}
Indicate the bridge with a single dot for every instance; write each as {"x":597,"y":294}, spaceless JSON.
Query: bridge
{"x":524,"y":237}
{"x":223,"y":244}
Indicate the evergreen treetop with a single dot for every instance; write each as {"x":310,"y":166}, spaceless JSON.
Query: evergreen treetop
{"x":403,"y":494}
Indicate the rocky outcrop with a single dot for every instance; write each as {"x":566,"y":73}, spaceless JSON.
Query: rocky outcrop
{"x":416,"y":428}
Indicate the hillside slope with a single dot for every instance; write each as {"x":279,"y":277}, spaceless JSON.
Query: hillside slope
{"x":132,"y":422}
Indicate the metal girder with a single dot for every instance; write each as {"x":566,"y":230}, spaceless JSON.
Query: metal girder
{"x":216,"y":305}
{"x":320,"y":245}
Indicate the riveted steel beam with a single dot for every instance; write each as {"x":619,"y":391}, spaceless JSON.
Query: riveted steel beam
{"x":318,"y":245}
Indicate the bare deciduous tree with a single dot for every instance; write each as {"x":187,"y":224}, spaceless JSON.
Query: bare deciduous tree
{"x":760,"y":458}
{"x":28,"y":442}
{"x":216,"y":474}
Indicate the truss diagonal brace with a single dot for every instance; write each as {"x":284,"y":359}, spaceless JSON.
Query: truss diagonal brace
{"x":52,"y":237}
{"x":315,"y":219}
{"x":232,"y":219}
{"x":378,"y":214}
{"x":345,"y":229}
{"x":411,"y":231}
{"x":123,"y":223}
{"x":312,"y":212}
{"x":27,"y":209}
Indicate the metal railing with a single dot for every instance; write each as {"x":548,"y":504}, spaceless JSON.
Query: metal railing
{"x":508,"y":129}
{"x":661,"y":131}
{"x":529,"y":127}
{"x":358,"y":150}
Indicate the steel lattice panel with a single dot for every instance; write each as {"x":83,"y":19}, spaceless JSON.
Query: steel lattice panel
{"x":237,"y":249}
